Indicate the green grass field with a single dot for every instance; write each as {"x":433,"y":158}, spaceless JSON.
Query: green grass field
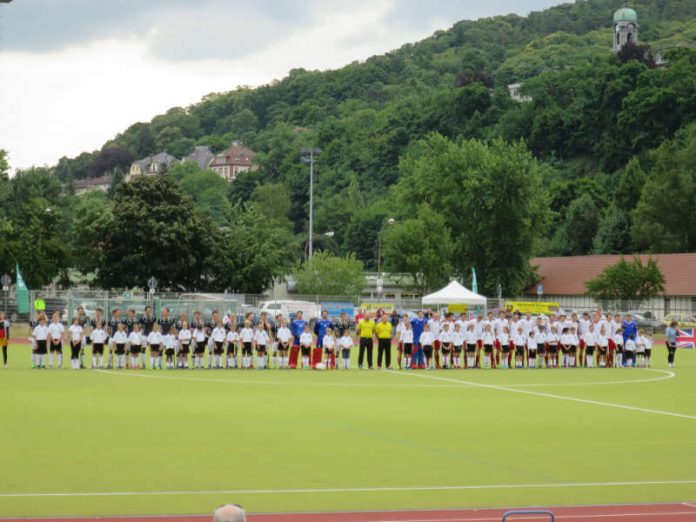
{"x":197,"y":438}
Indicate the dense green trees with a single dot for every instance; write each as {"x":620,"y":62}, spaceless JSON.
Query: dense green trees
{"x":598,"y":159}
{"x":630,"y":283}
{"x":326,"y":274}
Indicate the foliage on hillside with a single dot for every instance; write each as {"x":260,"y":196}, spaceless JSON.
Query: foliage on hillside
{"x":591,"y":126}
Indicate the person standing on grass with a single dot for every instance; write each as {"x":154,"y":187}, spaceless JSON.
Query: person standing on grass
{"x":56,"y":332}
{"x":229,"y":513}
{"x":4,"y":337}
{"x":418,"y":325}
{"x":630,"y":328}
{"x":99,"y":338}
{"x":366,"y":332}
{"x":40,"y":336}
{"x":75,"y":343}
{"x":297,"y":328}
{"x":671,"y":341}
{"x":384,"y":331}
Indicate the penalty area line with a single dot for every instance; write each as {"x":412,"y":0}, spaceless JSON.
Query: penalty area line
{"x":386,"y":489}
{"x":550,"y":395}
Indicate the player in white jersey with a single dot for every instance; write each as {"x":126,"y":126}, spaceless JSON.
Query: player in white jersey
{"x":261,"y":340}
{"x":135,"y":341}
{"x":76,"y":334}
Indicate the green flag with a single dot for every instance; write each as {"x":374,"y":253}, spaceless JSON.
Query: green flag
{"x":22,"y":294}
{"x":474,"y":282}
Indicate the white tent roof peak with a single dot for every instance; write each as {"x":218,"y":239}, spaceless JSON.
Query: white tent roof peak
{"x":454,"y":293}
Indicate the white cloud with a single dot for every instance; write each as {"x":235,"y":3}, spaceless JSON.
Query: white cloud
{"x":75,"y":98}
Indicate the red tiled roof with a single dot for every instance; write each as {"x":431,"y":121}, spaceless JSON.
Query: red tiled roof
{"x":235,"y":155}
{"x":568,"y":275}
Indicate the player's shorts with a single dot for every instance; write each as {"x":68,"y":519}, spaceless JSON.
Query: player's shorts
{"x":573,"y":349}
{"x":98,"y":348}
{"x":457,"y":349}
{"x":41,"y":346}
{"x":56,"y":347}
{"x":120,"y":349}
{"x":217,"y":347}
{"x":260,"y":348}
{"x":169,"y":352}
{"x":506,"y":348}
{"x":154,"y":348}
{"x":602,"y":350}
{"x":446,"y":347}
{"x":541,"y":348}
{"x":428,"y":351}
{"x":619,"y":348}
{"x":283,"y":347}
{"x":519,"y":350}
{"x":184,"y":349}
{"x":246,"y":348}
{"x":200,"y":347}
{"x":589,"y":350}
{"x":345,"y":353}
{"x":488,"y":349}
{"x":305,"y":351}
{"x":532,"y":353}
{"x":648,"y":352}
{"x":231,"y":349}
{"x":553,"y":348}
{"x":408,"y":348}
{"x":328,"y":351}
{"x":135,"y":349}
{"x":470,"y":348}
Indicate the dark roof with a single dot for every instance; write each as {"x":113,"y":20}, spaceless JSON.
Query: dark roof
{"x":202,"y":155}
{"x":86,"y":183}
{"x":568,"y":275}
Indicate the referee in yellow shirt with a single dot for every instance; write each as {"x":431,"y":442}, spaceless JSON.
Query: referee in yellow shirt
{"x":384,"y":336}
{"x":366,"y":332}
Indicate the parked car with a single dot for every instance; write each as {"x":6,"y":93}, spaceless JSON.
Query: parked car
{"x":683,"y":320}
{"x":645,"y":322}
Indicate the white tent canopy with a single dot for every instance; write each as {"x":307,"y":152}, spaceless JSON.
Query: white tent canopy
{"x":454,"y":293}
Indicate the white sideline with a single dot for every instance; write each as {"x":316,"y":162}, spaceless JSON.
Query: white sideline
{"x":549,"y":395}
{"x":666,"y":376}
{"x":469,"y":487}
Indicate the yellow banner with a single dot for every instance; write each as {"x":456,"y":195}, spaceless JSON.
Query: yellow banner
{"x":532,"y":307}
{"x":373,"y":307}
{"x":457,"y":308}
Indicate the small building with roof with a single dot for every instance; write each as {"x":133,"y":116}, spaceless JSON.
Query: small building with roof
{"x":563,"y":280}
{"x":201,"y":155}
{"x":233,"y":161}
{"x":151,"y":165}
{"x":626,"y":27}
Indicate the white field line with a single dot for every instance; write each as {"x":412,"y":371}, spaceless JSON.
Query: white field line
{"x":395,"y":489}
{"x":550,"y":395}
{"x":665,"y":376}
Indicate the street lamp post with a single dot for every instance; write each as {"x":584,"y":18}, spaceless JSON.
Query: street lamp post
{"x":390,"y":222}
{"x":307,"y":155}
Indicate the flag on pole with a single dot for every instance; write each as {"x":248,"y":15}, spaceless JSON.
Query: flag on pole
{"x":474,"y":282}
{"x":22,"y":293}
{"x":686,"y":338}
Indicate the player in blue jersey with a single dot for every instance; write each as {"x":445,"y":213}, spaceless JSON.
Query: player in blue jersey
{"x":418,"y":325}
{"x":297,"y":328}
{"x":320,"y":327}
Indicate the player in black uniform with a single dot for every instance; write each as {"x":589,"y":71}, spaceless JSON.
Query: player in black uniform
{"x":147,"y":320}
{"x":165,"y":322}
{"x":130,"y":321}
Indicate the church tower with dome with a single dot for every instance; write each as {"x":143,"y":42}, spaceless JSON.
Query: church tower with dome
{"x":625,"y":27}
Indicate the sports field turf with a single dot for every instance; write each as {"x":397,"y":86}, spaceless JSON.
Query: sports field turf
{"x":88,"y":442}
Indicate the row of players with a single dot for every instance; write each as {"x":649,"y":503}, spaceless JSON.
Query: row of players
{"x":461,"y":342}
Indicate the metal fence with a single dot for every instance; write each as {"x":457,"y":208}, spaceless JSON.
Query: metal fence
{"x":67,"y":302}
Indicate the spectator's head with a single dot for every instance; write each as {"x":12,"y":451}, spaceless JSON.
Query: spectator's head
{"x":673,"y":324}
{"x":229,"y":513}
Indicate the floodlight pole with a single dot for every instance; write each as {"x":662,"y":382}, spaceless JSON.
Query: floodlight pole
{"x":311,"y":151}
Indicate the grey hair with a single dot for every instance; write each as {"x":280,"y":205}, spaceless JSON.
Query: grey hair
{"x":229,"y":513}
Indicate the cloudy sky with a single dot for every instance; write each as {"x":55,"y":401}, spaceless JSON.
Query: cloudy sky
{"x":73,"y":73}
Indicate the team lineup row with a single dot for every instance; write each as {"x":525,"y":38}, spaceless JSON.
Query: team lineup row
{"x":421,"y":342}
